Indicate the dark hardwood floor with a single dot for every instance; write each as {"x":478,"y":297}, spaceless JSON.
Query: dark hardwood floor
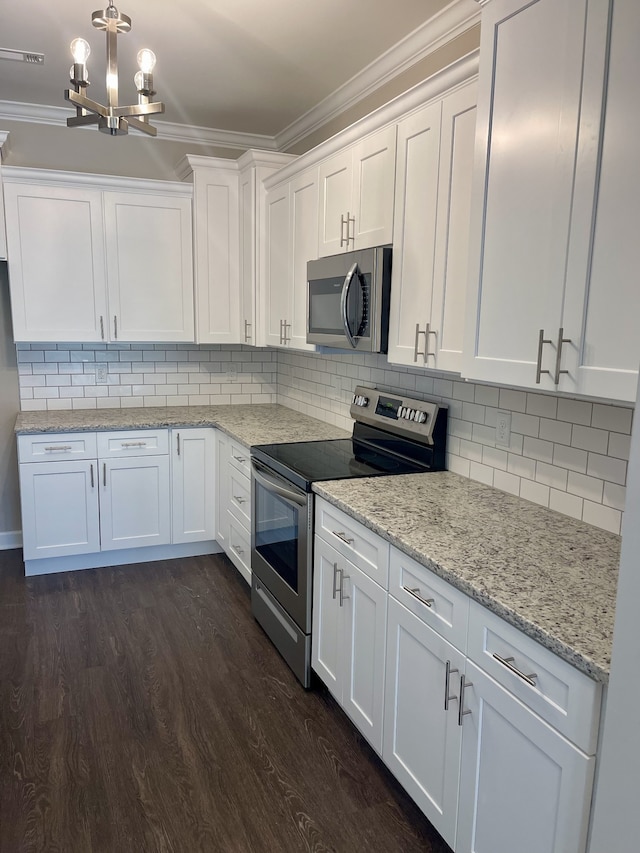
{"x":143,"y":709}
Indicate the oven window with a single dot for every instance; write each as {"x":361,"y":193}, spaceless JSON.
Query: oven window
{"x":276,"y":534}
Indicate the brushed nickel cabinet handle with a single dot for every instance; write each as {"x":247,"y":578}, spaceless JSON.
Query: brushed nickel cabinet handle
{"x":508,"y":663}
{"x":115,"y":327}
{"x":343,"y":222}
{"x":416,"y":351}
{"x":247,"y":333}
{"x":102,"y":327}
{"x":104,"y":474}
{"x":128,"y":444}
{"x":343,"y":578}
{"x":178,"y":441}
{"x":541,"y":342}
{"x":91,"y":470}
{"x":239,"y":499}
{"x":561,"y":340}
{"x":447,"y":675}
{"x":335,"y":575}
{"x":58,"y":448}
{"x":239,"y":551}
{"x":415,"y":592}
{"x":343,"y":537}
{"x":463,"y":686}
{"x":351,"y":219}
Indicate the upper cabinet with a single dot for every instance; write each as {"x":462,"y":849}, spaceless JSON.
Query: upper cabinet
{"x":431,"y":231}
{"x":87,"y":263}
{"x":551,"y":296}
{"x":291,"y":241}
{"x":4,"y":137}
{"x":356,"y":195}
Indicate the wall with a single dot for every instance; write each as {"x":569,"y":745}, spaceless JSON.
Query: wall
{"x":569,"y":455}
{"x":10,"y":523}
{"x":63,"y":376}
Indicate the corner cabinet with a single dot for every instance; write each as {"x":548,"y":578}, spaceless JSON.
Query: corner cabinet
{"x":434,"y":168}
{"x":356,"y":195}
{"x":551,"y":300}
{"x":98,"y":259}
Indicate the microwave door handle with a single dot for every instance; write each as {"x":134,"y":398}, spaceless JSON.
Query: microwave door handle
{"x":277,"y":488}
{"x":346,"y":287}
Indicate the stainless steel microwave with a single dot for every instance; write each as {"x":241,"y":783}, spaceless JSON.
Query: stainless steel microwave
{"x":348,"y":300}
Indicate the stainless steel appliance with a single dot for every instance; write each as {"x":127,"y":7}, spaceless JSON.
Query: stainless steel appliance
{"x":392,"y":434}
{"x":348,"y":300}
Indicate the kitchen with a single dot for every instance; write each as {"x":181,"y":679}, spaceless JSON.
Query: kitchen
{"x":321,"y":385}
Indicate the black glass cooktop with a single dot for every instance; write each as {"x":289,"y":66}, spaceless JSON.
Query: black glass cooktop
{"x":305,"y":462}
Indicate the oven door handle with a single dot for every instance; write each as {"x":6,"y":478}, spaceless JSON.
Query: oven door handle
{"x":267,"y":480}
{"x":346,"y":287}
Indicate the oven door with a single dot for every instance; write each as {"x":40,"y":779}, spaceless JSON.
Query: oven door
{"x":282,"y":541}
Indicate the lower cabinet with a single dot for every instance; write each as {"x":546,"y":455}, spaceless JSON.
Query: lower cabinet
{"x":348,"y":647}
{"x":491,"y":734}
{"x":193,"y":484}
{"x":233,"y":525}
{"x":422,"y":737}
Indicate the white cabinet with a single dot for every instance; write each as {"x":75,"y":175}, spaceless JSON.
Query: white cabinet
{"x":356,"y":195}
{"x":59,"y":503}
{"x":193,"y":484}
{"x":431,"y":231}
{"x":223,"y":449}
{"x":91,"y":264}
{"x":349,"y":631}
{"x":4,"y":145}
{"x":233,"y":526}
{"x":291,"y":241}
{"x":522,"y":785}
{"x":545,"y":307}
{"x":216,"y":248}
{"x":422,"y":738}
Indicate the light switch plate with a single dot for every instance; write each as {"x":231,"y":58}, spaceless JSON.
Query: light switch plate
{"x":503,"y":428}
{"x":101,"y":374}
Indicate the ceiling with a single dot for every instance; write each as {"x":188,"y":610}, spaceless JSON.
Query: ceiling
{"x":249,"y":66}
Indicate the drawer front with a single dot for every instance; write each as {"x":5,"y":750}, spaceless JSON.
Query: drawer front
{"x":240,"y":496}
{"x":440,"y":605}
{"x":368,"y":551}
{"x":137,"y":442}
{"x":562,"y":695}
{"x":49,"y":447}
{"x":240,"y":458}
{"x":239,"y":550}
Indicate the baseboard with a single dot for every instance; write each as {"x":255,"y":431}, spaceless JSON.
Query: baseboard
{"x":50,"y":565}
{"x":10,"y":539}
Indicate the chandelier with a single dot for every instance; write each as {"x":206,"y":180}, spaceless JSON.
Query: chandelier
{"x":112,"y":119}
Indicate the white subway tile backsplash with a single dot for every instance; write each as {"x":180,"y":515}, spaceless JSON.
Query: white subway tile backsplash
{"x":535,"y":448}
{"x":481,"y":473}
{"x":589,"y":488}
{"x":570,"y":457}
{"x":607,"y":468}
{"x":542,"y":405}
{"x":525,"y":424}
{"x":464,"y":391}
{"x":613,"y":418}
{"x":574,"y":411}
{"x":506,"y":482}
{"x":487,"y":396}
{"x":495,"y":458}
{"x":587,"y":438}
{"x":538,"y":493}
{"x":558,"y":432}
{"x":565,"y":503}
{"x":516,"y":401}
{"x":602,"y":516}
{"x":619,"y":445}
{"x":614,"y":495}
{"x":521,"y":466}
{"x":551,"y":476}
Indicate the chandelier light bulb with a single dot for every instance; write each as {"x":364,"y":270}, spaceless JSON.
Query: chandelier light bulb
{"x":146,"y":60}
{"x":138,"y":80}
{"x":80,"y":50}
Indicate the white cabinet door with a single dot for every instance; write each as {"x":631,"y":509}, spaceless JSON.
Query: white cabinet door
{"x":523,"y":786}
{"x":223,"y":450}
{"x":327,"y":629}
{"x":414,"y":233}
{"x":422,"y":740}
{"x":135,"y":506}
{"x":277,"y":283}
{"x":56,"y":263}
{"x":374,"y":162}
{"x":193,"y":484}
{"x":335,"y":188}
{"x":304,"y":248}
{"x":59,"y":508}
{"x":150,"y":268}
{"x":535,"y":148}
{"x":363,"y":651}
{"x":217,"y":256}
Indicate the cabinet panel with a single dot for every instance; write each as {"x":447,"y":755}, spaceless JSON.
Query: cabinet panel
{"x":59,"y":508}
{"x":47,"y":447}
{"x":193,"y":484}
{"x":247,"y":258}
{"x":304,"y":235}
{"x":239,"y":547}
{"x":373,"y":185}
{"x":149,"y":259}
{"x":240,"y":496}
{"x":422,"y":740}
{"x":56,"y":263}
{"x":278,"y":267}
{"x":335,"y":177}
{"x":326,"y":651}
{"x":523,"y":786}
{"x":136,"y":442}
{"x":223,"y":445}
{"x":135,"y":502}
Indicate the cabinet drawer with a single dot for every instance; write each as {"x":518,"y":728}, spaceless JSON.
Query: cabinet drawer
{"x":240,"y":457}
{"x":368,"y":551}
{"x":240,"y":496}
{"x":239,"y":550}
{"x":137,"y":442}
{"x":47,"y":447}
{"x":440,"y":605}
{"x":560,"y":694}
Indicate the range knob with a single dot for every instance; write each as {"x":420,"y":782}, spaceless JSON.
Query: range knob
{"x":400,"y":412}
{"x":360,"y":400}
{"x":422,"y":417}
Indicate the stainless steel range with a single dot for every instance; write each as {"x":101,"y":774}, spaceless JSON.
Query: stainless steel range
{"x":392,"y":434}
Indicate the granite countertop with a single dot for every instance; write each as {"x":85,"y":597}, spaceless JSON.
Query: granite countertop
{"x":249,"y":424}
{"x":552,"y":577}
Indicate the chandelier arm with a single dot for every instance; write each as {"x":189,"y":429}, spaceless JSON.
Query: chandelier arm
{"x":79,"y":121}
{"x":138,"y":109}
{"x":86,"y":103}
{"x":149,"y":129}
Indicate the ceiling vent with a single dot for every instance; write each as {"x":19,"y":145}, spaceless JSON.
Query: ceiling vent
{"x":22,"y":56}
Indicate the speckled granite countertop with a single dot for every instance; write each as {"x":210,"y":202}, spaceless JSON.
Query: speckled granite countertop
{"x":258,"y":424}
{"x":550,"y":576}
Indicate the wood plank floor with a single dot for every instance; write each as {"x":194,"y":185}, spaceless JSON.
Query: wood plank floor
{"x":143,"y":709}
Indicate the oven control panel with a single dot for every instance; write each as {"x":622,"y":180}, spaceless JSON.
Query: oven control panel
{"x":410,"y":416}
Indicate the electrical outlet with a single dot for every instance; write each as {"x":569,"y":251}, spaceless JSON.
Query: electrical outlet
{"x":503,"y":428}
{"x":101,"y":374}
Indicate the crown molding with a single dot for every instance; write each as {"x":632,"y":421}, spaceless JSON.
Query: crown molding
{"x":455,"y":19}
{"x":4,"y":144}
{"x":169,"y":131}
{"x":57,"y":177}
